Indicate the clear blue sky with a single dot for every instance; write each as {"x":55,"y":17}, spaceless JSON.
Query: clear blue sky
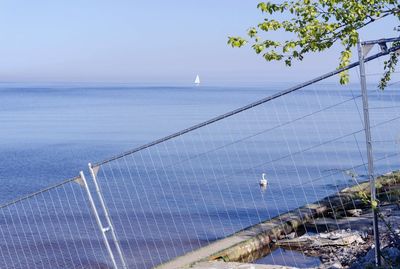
{"x":140,"y":41}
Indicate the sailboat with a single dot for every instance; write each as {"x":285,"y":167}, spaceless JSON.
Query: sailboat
{"x":197,"y":80}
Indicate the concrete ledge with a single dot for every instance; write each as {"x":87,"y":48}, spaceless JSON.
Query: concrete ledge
{"x":236,"y":265}
{"x":247,"y":244}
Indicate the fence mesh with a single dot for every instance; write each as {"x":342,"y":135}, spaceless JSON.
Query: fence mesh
{"x":192,"y":190}
{"x":53,"y":228}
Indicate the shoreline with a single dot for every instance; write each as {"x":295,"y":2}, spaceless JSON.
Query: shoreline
{"x":255,"y":242}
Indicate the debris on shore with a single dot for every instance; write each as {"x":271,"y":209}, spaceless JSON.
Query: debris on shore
{"x":336,"y":229}
{"x":339,"y":246}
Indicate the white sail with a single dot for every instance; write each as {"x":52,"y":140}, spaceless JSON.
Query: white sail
{"x":197,"y":80}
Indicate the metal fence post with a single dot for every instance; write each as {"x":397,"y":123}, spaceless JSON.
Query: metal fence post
{"x":369,"y":152}
{"x":107,"y":216}
{"x":96,"y":214}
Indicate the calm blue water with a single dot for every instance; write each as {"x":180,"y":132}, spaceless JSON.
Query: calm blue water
{"x":184,"y":193}
{"x":50,"y":133}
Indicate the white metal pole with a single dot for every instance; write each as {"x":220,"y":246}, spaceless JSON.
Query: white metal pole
{"x":96,"y":215}
{"x":369,"y":151}
{"x":107,"y":216}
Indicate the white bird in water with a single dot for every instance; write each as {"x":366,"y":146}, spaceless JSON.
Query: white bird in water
{"x":263,"y":181}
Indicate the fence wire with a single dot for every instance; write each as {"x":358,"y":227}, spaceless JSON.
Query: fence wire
{"x":187,"y":192}
{"x":174,"y":197}
{"x":52,"y":228}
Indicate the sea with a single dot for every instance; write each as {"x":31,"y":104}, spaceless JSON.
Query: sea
{"x":186,"y":192}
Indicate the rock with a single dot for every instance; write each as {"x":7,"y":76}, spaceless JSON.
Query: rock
{"x":291,"y":235}
{"x":392,"y":254}
{"x":354,"y":212}
{"x":364,"y":262}
{"x":335,"y":266}
{"x":342,"y":238}
{"x":361,"y":223}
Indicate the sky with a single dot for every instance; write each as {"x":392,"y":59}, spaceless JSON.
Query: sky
{"x":142,"y":41}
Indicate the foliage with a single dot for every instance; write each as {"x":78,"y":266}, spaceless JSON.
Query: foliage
{"x":365,"y":197}
{"x":389,"y":66}
{"x":315,"y":26}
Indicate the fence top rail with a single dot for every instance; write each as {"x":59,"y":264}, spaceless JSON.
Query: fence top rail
{"x":249,"y":106}
{"x":383,"y":40}
{"x":20,"y":199}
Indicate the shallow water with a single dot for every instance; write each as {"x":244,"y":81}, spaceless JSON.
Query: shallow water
{"x":290,"y":258}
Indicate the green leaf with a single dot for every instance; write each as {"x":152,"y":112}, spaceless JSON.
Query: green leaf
{"x":316,"y":26}
{"x":374,"y":204}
